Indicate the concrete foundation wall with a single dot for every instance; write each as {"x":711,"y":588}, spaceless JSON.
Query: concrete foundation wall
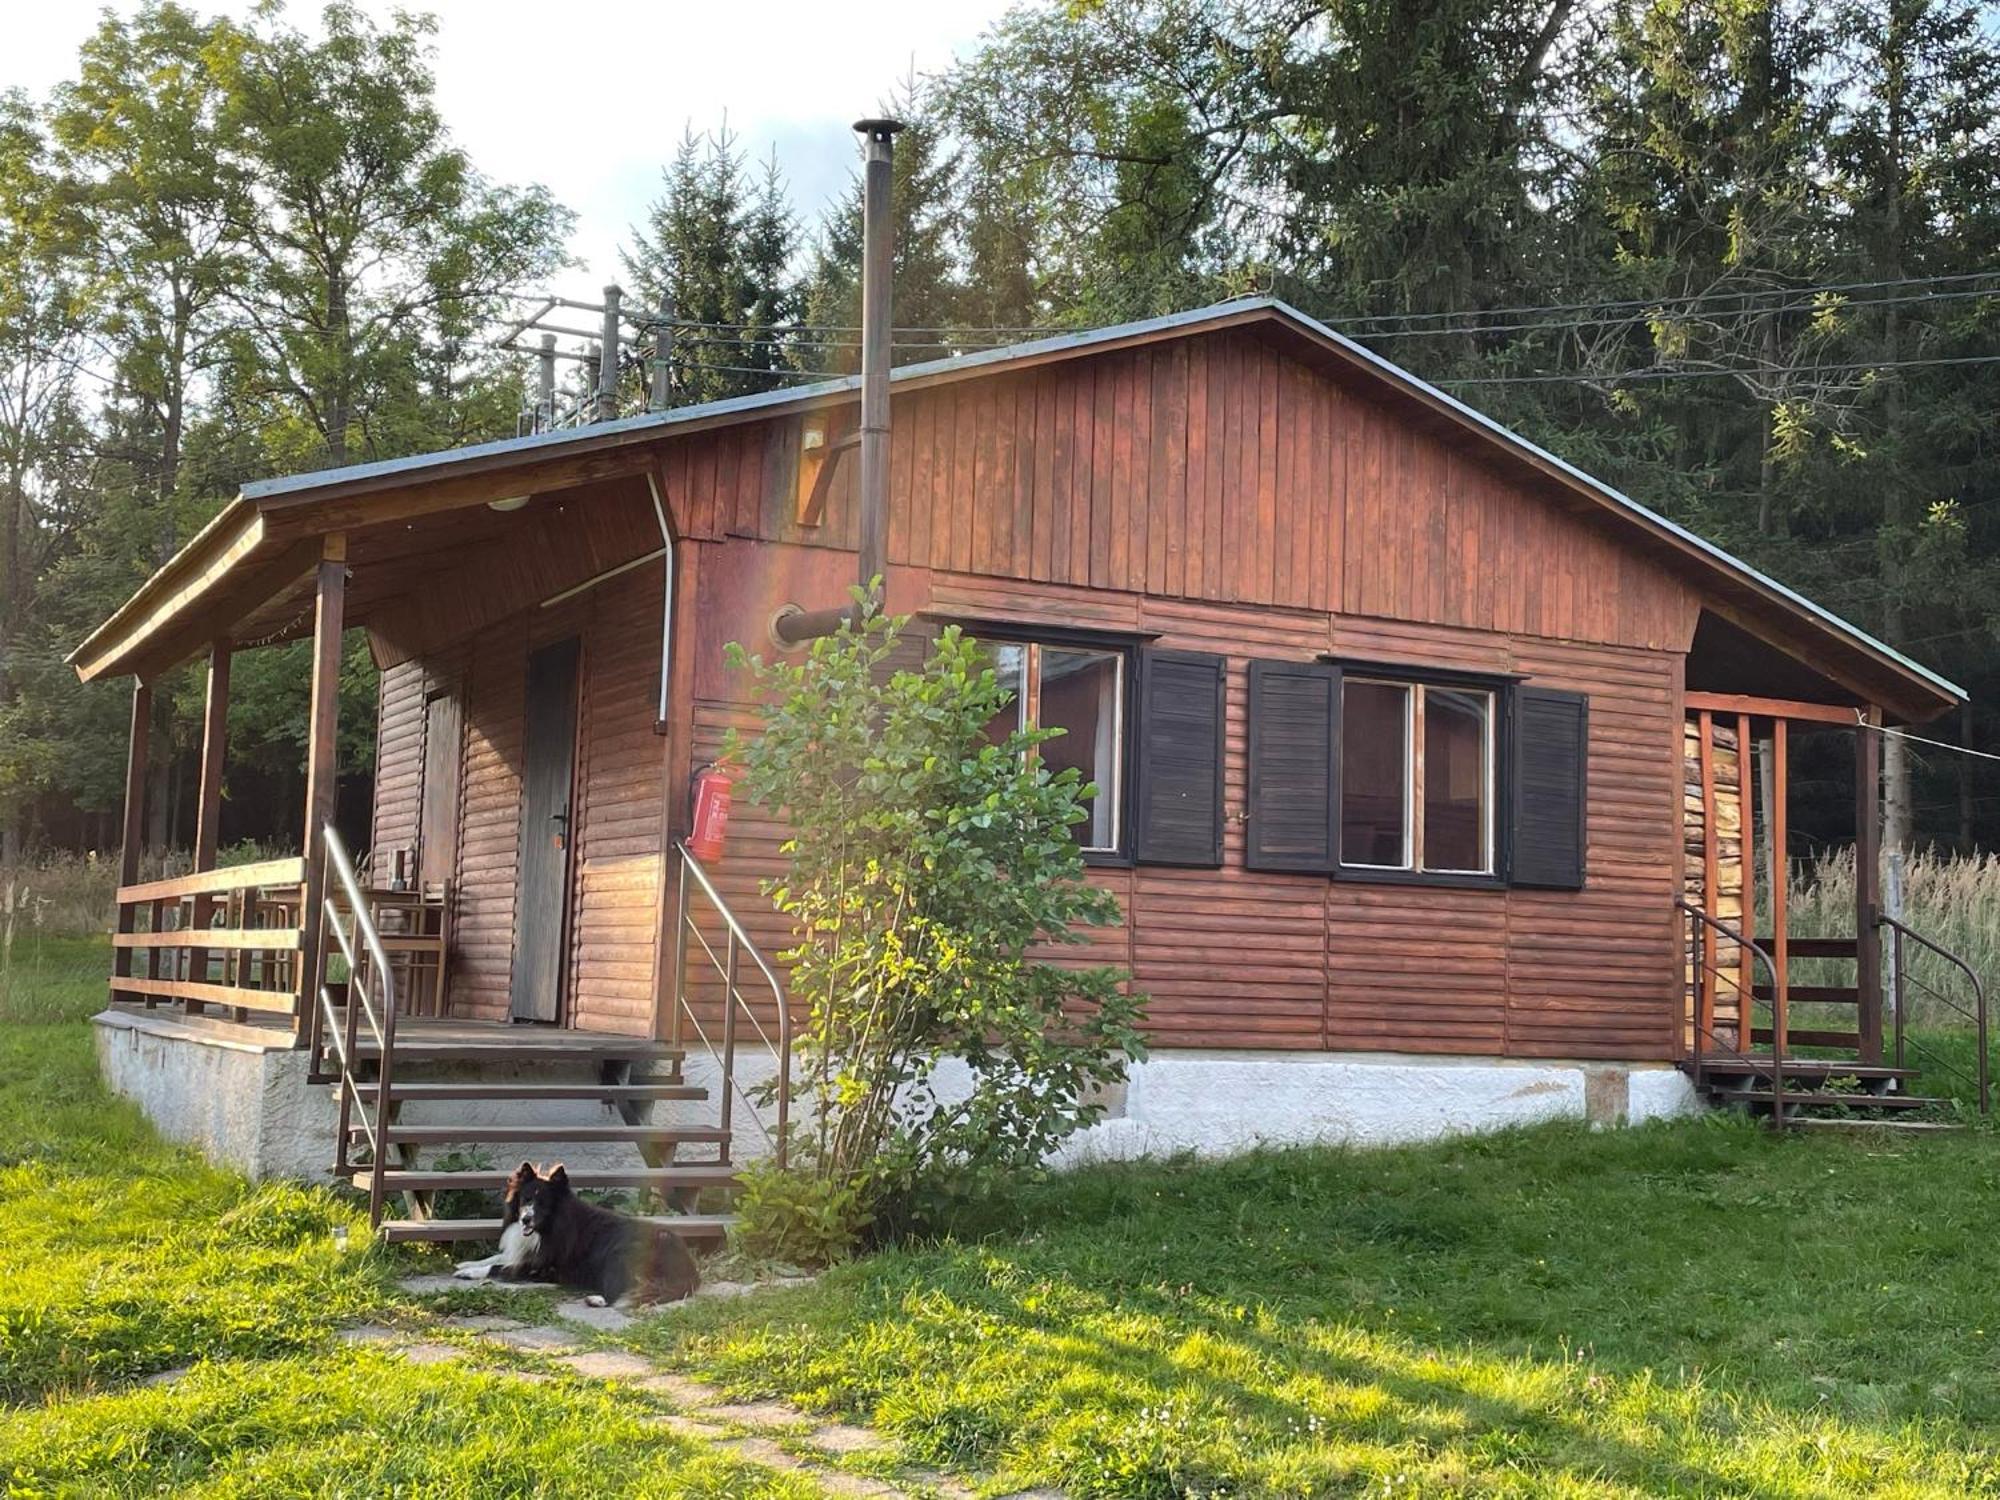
{"x":248,"y":1105}
{"x":1214,"y":1103}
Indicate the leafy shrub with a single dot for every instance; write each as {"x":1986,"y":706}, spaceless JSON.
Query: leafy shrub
{"x":796,"y":1217}
{"x":928,"y":862}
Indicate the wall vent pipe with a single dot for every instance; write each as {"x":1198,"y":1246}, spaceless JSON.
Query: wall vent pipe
{"x":878,"y":253}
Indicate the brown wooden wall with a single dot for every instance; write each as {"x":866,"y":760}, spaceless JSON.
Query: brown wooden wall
{"x":615,"y":858}
{"x":1222,"y":499}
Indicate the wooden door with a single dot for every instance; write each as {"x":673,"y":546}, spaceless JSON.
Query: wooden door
{"x":437,"y":820}
{"x":541,"y":898}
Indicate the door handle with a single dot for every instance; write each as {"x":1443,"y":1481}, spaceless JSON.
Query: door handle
{"x":561,"y":820}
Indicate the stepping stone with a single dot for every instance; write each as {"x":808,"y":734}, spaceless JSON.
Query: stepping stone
{"x":608,"y":1364}
{"x":431,"y":1285}
{"x":538,"y":1340}
{"x":843,"y":1437}
{"x":679,"y":1389}
{"x":166,"y":1377}
{"x":724,"y":1289}
{"x":756,"y":1413}
{"x":368,"y":1333}
{"x":430,"y":1352}
{"x":604,"y":1319}
{"x":481,"y":1322}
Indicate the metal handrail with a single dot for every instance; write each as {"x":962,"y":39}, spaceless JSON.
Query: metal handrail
{"x":729,"y":966}
{"x":1780,"y":1021}
{"x":339,"y":868}
{"x":1900,"y":973}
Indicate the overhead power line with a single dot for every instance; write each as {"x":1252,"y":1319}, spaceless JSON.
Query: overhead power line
{"x":1584,"y":377}
{"x":1680,"y":299}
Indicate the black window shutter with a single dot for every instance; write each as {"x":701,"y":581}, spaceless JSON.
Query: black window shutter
{"x":1550,"y":757}
{"x":1294,"y":793}
{"x":1177,"y":816}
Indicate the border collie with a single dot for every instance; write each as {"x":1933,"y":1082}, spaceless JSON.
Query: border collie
{"x":549,"y":1234}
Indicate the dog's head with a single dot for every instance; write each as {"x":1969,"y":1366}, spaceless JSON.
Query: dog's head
{"x":535,"y":1198}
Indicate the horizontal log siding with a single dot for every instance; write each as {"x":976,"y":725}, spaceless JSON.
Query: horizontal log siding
{"x":1217,"y":498}
{"x":615,"y":874}
{"x":495,"y":686}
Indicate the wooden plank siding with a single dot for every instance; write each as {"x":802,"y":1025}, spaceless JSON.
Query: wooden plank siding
{"x":1210,"y":495}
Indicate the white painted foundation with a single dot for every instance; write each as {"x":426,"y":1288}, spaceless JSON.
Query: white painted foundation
{"x":1217,"y":1103}
{"x":245,"y":1102}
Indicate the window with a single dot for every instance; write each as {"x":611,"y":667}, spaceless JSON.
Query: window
{"x":1081,"y":691}
{"x":1417,"y":772}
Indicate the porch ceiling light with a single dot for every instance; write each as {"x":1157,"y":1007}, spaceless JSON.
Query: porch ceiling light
{"x":511,"y":503}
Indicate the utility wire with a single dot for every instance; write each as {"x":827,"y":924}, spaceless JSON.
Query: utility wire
{"x":1918,"y":739}
{"x":1584,"y":378}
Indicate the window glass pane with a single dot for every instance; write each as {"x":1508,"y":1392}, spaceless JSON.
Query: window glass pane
{"x":1080,"y":694}
{"x":1374,"y":774}
{"x":1010,"y":666}
{"x":1456,"y":770}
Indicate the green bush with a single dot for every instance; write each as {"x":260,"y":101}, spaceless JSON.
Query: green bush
{"x":800,"y":1218}
{"x":928,"y":864}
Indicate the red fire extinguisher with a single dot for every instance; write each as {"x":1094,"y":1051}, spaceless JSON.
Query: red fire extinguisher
{"x":710,"y":823}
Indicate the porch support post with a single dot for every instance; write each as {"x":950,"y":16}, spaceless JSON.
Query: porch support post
{"x":329,"y":604}
{"x":1867,"y":884}
{"x":135,"y":824}
{"x":208,"y":801}
{"x":214,"y":741}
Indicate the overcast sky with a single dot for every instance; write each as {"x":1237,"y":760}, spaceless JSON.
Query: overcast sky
{"x":590,"y":97}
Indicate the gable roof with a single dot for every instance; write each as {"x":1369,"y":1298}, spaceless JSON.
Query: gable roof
{"x":266,"y":513}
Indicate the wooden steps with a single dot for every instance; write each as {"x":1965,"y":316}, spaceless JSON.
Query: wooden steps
{"x":635,"y":1092}
{"x":665,"y":1179}
{"x":398,"y":1134}
{"x":699,"y":1228}
{"x":1901,"y":1127}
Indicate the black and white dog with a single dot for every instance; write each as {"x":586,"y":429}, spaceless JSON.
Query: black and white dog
{"x":549,"y":1234}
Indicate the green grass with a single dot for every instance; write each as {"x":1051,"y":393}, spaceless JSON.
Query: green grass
{"x":1688,"y":1309}
{"x":121,"y":1257}
{"x":1696,"y":1309}
{"x":360,"y":1423}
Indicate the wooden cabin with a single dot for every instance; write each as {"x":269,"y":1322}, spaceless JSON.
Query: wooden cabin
{"x":1421,"y":753}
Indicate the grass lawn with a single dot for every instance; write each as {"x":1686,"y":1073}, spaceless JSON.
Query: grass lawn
{"x":121,"y":1257}
{"x":1692,"y":1309}
{"x":1698,"y":1309}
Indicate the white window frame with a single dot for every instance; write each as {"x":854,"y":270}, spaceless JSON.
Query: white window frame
{"x":1413,"y":758}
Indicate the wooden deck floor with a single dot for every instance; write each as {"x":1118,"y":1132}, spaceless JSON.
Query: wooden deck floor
{"x":432,"y":1039}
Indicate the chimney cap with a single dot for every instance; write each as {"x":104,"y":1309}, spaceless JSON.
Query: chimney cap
{"x":878,"y":130}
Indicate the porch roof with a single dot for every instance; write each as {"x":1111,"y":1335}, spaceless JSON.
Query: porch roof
{"x":263,"y":544}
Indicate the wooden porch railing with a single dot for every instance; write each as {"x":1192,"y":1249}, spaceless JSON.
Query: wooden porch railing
{"x":227,"y":937}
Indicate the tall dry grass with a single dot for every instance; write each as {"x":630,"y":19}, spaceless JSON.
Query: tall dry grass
{"x":68,"y":895}
{"x":1954,"y":900}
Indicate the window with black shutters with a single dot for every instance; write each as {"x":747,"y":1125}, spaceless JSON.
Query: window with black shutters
{"x":1425,"y":776}
{"x":1177,"y":801}
{"x":1550,"y":775}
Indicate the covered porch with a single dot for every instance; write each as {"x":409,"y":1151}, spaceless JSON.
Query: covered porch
{"x":436,"y":562}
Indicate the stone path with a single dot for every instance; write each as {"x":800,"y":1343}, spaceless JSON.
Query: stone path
{"x":770,"y":1433}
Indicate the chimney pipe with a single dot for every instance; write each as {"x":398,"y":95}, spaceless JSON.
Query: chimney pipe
{"x":878,"y":250}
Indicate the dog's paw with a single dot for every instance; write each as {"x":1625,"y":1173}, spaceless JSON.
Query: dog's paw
{"x":473,"y":1270}
{"x":595,"y":1300}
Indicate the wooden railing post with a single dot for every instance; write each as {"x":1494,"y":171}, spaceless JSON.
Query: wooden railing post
{"x":1867,"y":877}
{"x":1711,"y":880}
{"x":1776,"y":816}
{"x":329,"y":601}
{"x":134,"y":829}
{"x":208,"y":804}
